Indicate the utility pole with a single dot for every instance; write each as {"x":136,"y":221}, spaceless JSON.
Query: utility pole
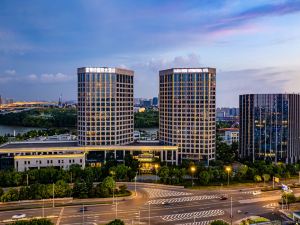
{"x":116,"y":208}
{"x":231,"y":209}
{"x":149,"y":212}
{"x":274,"y":180}
{"x":53,"y":195}
{"x":83,"y":209}
{"x":135,"y":183}
{"x":27,"y":180}
{"x":43,"y":214}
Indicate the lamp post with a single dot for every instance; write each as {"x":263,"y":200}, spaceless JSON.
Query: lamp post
{"x":193,"y":170}
{"x":228,"y":169}
{"x":156,"y":167}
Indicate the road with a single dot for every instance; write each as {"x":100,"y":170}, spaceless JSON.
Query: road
{"x":157,"y":204}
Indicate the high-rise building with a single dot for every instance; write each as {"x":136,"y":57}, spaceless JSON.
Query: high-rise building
{"x":270,"y":127}
{"x":187,"y":102}
{"x":105,"y":106}
{"x":155,"y":101}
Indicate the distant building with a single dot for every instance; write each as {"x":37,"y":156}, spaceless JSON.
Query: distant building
{"x":270,"y":127}
{"x":155,"y":101}
{"x":231,"y":136}
{"x":227,"y":114}
{"x":187,"y":104}
{"x":105,"y":106}
{"x":146,"y":103}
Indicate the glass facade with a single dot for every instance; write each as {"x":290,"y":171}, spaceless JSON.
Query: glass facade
{"x":187,"y":112}
{"x":266,"y":126}
{"x":105,"y":107}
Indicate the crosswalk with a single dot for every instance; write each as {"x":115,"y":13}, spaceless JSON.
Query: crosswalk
{"x":196,"y":215}
{"x":160,"y":193}
{"x":272,"y":205}
{"x":206,"y":222}
{"x":182,"y":199}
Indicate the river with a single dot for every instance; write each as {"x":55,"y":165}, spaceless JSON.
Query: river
{"x":10,"y":129}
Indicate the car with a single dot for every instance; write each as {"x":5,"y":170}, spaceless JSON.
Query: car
{"x":83,"y":209}
{"x":256,"y":192}
{"x":19,"y":216}
{"x":223,"y":197}
{"x":239,"y":211}
{"x":165,"y":203}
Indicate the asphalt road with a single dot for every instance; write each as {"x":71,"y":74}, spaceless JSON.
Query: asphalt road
{"x":155,"y":204}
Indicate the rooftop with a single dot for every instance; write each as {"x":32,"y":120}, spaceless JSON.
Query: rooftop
{"x":40,"y":144}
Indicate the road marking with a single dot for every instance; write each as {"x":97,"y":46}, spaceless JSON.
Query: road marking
{"x":271,"y":205}
{"x":199,"y":214}
{"x":160,"y":193}
{"x":182,"y":199}
{"x":206,"y":222}
{"x":60,"y":216}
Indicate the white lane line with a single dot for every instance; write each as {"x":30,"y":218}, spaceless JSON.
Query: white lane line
{"x":160,"y":193}
{"x":206,"y":222}
{"x":182,"y":199}
{"x":60,"y":216}
{"x":199,"y":214}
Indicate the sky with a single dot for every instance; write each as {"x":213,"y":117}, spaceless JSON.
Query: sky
{"x":254,"y":45}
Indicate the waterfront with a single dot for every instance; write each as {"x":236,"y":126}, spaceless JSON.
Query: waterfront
{"x":10,"y":129}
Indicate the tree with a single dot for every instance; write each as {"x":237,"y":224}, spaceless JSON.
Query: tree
{"x":242,"y":172}
{"x":1,"y":192}
{"x":288,"y":197}
{"x":62,"y":189}
{"x":257,"y":178}
{"x":109,"y":183}
{"x":11,"y":195}
{"x":123,"y":189}
{"x":163,"y":173}
{"x":33,"y":222}
{"x":204,"y":177}
{"x":121,"y":172}
{"x":266,"y":177}
{"x":116,"y":222}
{"x":80,"y":190}
{"x":219,"y":222}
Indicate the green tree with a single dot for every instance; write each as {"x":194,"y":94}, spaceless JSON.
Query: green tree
{"x":1,"y":192}
{"x":33,"y":222}
{"x":11,"y":195}
{"x":80,"y":190}
{"x":121,"y":172}
{"x":242,"y":172}
{"x":266,"y":177}
{"x":257,"y":178}
{"x":62,"y":189}
{"x":164,"y":173}
{"x":109,"y":183}
{"x":204,"y":177}
{"x":116,"y":222}
{"x":219,"y":222}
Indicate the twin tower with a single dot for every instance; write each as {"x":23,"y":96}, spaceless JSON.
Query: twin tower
{"x":187,"y":102}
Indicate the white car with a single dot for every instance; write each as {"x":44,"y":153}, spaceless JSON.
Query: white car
{"x":256,"y":192}
{"x":19,"y":216}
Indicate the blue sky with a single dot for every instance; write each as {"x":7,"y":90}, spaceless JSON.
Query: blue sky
{"x":255,"y":45}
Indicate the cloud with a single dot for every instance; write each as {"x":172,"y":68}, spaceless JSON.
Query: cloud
{"x":230,"y":84}
{"x":10,"y":72}
{"x":7,"y":76}
{"x":49,"y":78}
{"x":156,"y":64}
{"x":264,"y":10}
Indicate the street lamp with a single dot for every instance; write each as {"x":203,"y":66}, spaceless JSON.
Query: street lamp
{"x":228,"y":169}
{"x":193,"y":170}
{"x":156,"y":167}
